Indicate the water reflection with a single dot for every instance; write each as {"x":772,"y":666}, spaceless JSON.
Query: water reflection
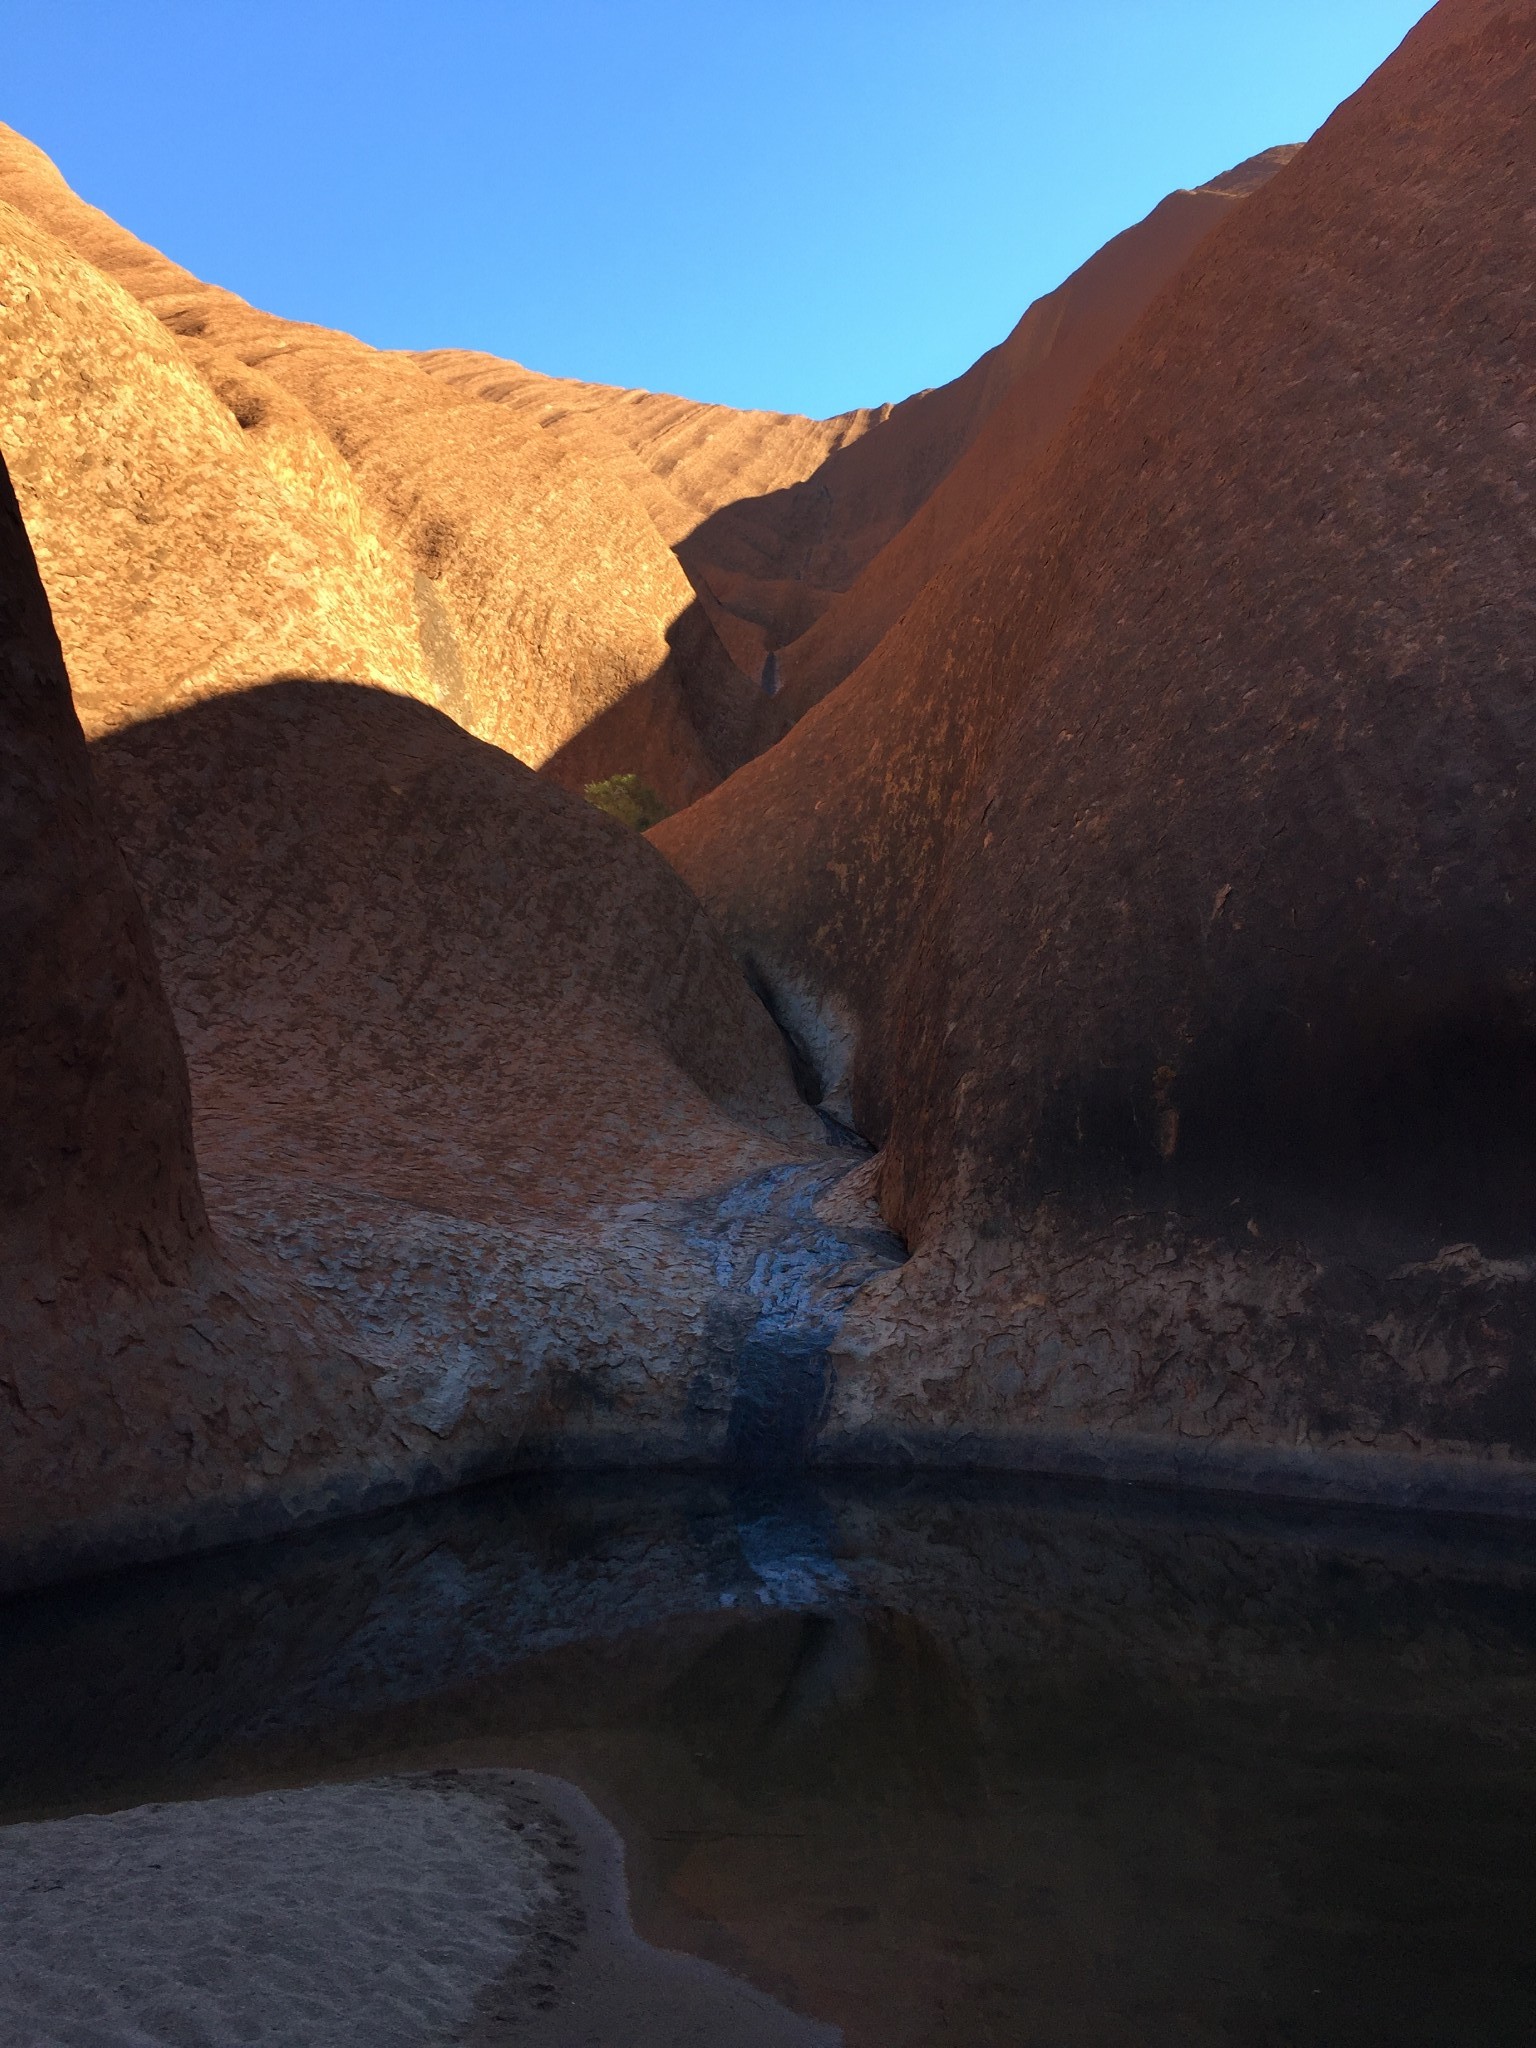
{"x":943,"y":1763}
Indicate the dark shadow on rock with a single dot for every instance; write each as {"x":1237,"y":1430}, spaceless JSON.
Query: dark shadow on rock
{"x":683,"y":730}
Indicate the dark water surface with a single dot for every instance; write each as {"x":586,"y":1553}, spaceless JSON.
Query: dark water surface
{"x":942,"y":1763}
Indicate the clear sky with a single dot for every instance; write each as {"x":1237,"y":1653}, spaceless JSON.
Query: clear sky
{"x":804,"y":204}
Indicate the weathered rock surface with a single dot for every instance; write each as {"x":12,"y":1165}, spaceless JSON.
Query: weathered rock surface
{"x":600,"y":581}
{"x":196,"y":532}
{"x":98,"y":1130}
{"x":288,"y":501}
{"x":1160,"y":890}
{"x":497,"y":1143}
{"x":467,"y":1060}
{"x":740,"y":495}
{"x":1020,"y":397}
{"x":501,"y":1152}
{"x":690,"y":460}
{"x":1157,"y":892}
{"x":142,"y":1375}
{"x":774,"y":517}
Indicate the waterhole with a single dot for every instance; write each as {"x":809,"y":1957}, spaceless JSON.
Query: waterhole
{"x":938,"y":1763}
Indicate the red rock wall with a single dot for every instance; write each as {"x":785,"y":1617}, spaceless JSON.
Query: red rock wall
{"x":98,"y":1167}
{"x":1163,"y":884}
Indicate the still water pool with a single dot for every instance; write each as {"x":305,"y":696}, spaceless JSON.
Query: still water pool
{"x":946,"y":1764}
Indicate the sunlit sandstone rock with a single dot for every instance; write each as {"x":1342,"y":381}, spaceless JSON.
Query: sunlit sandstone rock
{"x":283,"y":500}
{"x":806,"y":539}
{"x":497,"y":1148}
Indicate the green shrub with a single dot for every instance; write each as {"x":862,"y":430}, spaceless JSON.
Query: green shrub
{"x":628,"y":799}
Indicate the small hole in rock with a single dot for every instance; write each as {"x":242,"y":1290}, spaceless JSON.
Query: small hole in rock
{"x":248,"y":407}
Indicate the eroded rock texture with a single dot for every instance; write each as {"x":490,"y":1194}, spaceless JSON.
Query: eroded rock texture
{"x":284,"y":500}
{"x":804,"y":539}
{"x":500,"y":1155}
{"x":1018,"y":398}
{"x":195,"y":532}
{"x":139,"y":1371}
{"x":464,"y":1051}
{"x":599,"y":581}
{"x":1159,"y":892}
{"x":499,"y":1150}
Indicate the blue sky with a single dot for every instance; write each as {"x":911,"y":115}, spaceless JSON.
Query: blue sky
{"x":804,"y":204}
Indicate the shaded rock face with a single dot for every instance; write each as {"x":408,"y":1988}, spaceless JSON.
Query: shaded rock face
{"x":1157,"y":892}
{"x":470,"y":1072}
{"x":1175,"y":898}
{"x":98,"y":1167}
{"x":806,"y":539}
{"x":473,"y":1071}
{"x":599,"y":581}
{"x":1020,"y":396}
{"x":385,"y":904}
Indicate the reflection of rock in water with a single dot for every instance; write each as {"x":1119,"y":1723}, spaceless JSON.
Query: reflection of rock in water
{"x":854,"y":1611}
{"x":850,"y":1700}
{"x":1119,"y":1762}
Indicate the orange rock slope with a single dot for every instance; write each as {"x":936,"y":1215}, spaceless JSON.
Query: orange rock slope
{"x":497,"y":1147}
{"x":289,"y":501}
{"x":144,"y":1377}
{"x":499,"y":1157}
{"x":1159,"y":892}
{"x":599,"y":581}
{"x":1025,"y":393}
{"x":805,"y":539}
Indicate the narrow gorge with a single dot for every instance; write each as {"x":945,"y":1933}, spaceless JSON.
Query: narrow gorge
{"x":1118,"y":901}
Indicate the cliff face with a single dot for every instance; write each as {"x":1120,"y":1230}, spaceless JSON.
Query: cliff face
{"x":98,"y":1167}
{"x":471,"y":1076}
{"x":196,"y":531}
{"x":140,"y":1371}
{"x":598,"y":581}
{"x":1171,"y":923}
{"x":1021,"y":396}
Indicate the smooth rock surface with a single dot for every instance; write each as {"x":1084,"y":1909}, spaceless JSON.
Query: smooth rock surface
{"x":146,"y":1378}
{"x":469,"y":1064}
{"x":195,"y":529}
{"x":775,"y":518}
{"x":470,"y":1072}
{"x":1030,"y":385}
{"x":1157,"y":892}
